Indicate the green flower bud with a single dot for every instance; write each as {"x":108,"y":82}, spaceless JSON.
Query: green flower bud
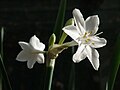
{"x":52,"y":40}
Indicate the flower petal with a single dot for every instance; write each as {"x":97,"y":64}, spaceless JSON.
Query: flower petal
{"x":93,"y":57}
{"x":78,"y":16}
{"x":80,"y":54}
{"x":30,"y":63}
{"x":36,"y":44}
{"x":79,"y":20}
{"x":40,"y":58}
{"x":71,"y":31}
{"x":23,"y":56}
{"x":98,"y":42}
{"x":91,"y":24}
{"x":24,"y":46}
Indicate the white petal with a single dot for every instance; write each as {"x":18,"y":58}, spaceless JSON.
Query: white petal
{"x":79,"y":20}
{"x":80,"y":54}
{"x":23,"y":56}
{"x":97,"y":42}
{"x":78,"y":16}
{"x":36,"y":44}
{"x":93,"y":57}
{"x":71,"y":31}
{"x":40,"y":58}
{"x":92,"y":23}
{"x":25,"y":46}
{"x":30,"y":63}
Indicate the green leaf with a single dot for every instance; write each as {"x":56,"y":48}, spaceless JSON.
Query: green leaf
{"x":71,"y":83}
{"x":0,"y":80}
{"x":1,"y":42}
{"x":3,"y":73}
{"x":1,"y":52}
{"x":114,"y":66}
{"x":60,"y":19}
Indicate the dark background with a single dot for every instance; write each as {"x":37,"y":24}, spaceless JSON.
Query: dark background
{"x":22,"y":19}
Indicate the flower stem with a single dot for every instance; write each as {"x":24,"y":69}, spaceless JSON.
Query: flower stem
{"x":49,"y":73}
{"x":4,"y":74}
{"x":0,"y":81}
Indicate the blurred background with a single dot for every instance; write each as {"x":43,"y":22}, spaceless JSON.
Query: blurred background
{"x":22,"y":19}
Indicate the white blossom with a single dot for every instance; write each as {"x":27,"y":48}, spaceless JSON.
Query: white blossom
{"x":84,"y":33}
{"x":32,"y":52}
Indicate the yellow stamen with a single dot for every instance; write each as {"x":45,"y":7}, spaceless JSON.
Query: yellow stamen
{"x":85,"y":35}
{"x":87,"y":40}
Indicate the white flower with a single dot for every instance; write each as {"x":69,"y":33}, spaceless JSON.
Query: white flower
{"x":31,"y":52}
{"x":83,"y":32}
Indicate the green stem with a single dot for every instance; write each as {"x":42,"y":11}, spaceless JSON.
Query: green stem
{"x":1,"y":52}
{"x":0,"y":81}
{"x":49,"y":73}
{"x":63,"y":37}
{"x":4,"y":74}
{"x":2,"y":36}
{"x":71,"y":83}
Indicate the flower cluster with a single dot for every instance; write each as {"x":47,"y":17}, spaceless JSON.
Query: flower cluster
{"x":83,"y":32}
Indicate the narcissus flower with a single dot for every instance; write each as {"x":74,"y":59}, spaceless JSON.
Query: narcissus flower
{"x":32,"y":52}
{"x":84,"y":33}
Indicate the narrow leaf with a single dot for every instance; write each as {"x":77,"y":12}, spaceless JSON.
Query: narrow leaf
{"x":4,"y":74}
{"x":114,"y":67}
{"x":1,"y":52}
{"x":60,"y":19}
{"x":71,"y":84}
{"x":0,"y":80}
{"x":1,"y":43}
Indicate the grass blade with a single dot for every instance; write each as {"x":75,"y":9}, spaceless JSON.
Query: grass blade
{"x":114,"y":66}
{"x":2,"y":36}
{"x":60,"y":19}
{"x":3,"y":73}
{"x":1,"y":52}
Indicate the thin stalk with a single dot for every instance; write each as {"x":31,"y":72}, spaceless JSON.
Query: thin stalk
{"x":2,"y":36}
{"x":4,"y":74}
{"x":49,"y":74}
{"x":1,"y":52}
{"x":63,"y":37}
{"x":0,"y":81}
{"x":71,"y":83}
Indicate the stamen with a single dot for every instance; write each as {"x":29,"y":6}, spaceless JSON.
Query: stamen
{"x":99,"y":33}
{"x":87,"y":40}
{"x":85,"y":35}
{"x":93,"y":43}
{"x":90,"y":32}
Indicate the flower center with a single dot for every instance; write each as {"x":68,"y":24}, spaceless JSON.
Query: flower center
{"x":85,"y":39}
